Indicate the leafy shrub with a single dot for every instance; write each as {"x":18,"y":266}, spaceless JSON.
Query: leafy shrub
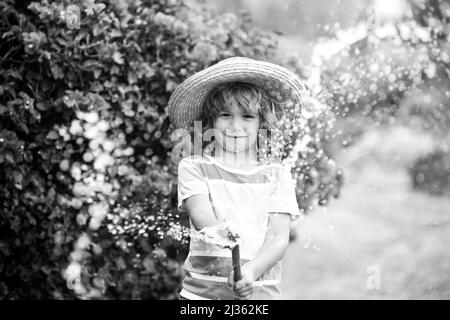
{"x":88,"y":193}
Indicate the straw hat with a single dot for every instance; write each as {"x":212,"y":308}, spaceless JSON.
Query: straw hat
{"x":281,"y":84}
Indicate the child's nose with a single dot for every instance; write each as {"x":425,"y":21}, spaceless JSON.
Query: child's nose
{"x":236,"y":124}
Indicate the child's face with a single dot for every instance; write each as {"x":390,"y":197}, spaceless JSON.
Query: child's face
{"x":239,"y":129}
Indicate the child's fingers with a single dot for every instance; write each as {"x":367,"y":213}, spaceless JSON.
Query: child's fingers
{"x":241,"y":284}
{"x":248,"y":287}
{"x":246,"y":295}
{"x":245,"y":291}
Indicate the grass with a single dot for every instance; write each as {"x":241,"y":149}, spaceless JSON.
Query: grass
{"x":378,"y":221}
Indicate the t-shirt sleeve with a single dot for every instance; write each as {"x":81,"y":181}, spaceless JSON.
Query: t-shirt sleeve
{"x":191,"y":181}
{"x":283,"y":198}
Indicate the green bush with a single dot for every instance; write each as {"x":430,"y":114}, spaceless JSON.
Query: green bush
{"x":88,"y":194}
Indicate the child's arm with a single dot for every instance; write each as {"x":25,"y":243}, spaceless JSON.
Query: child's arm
{"x":272,"y":250}
{"x":274,"y":247}
{"x":200,"y":211}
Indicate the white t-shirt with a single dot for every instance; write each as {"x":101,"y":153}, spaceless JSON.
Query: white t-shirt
{"x":244,"y":199}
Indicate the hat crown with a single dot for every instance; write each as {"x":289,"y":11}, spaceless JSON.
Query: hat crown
{"x":281,"y":84}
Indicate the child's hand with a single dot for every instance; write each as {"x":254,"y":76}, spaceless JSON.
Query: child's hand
{"x":245,"y":287}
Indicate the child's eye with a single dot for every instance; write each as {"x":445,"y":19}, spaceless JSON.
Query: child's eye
{"x":248,"y":116}
{"x":224,"y":114}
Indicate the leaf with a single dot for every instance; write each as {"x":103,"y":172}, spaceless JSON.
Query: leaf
{"x":97,"y":73}
{"x":171,"y":85}
{"x":98,"y":101}
{"x":99,"y":283}
{"x":4,"y":248}
{"x":51,"y":195}
{"x":47,"y":167}
{"x":23,"y":126}
{"x":61,"y":41}
{"x":120,"y":264}
{"x":92,"y":7}
{"x":45,"y":85}
{"x":57,"y":72}
{"x":97,"y":30}
{"x":3,"y":109}
{"x":11,"y":91}
{"x":42,"y":106}
{"x":46,"y":269}
{"x":18,"y":179}
{"x":9,"y":157}
{"x":115,"y":70}
{"x":52,"y":135}
{"x":91,"y":64}
{"x":115,"y":33}
{"x":132,"y":77}
{"x":117,"y":57}
{"x":14,"y":74}
{"x":31,"y":219}
{"x":149,"y":264}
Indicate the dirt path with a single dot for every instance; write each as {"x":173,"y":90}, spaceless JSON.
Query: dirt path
{"x":378,"y":227}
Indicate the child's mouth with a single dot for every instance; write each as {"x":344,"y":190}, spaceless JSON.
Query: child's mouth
{"x":235,"y":137}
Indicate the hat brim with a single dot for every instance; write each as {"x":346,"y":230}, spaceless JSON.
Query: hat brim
{"x":186,"y":102}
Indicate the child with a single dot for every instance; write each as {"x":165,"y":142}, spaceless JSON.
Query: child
{"x":231,"y":182}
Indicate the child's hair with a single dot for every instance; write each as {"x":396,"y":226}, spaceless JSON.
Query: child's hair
{"x":249,"y":98}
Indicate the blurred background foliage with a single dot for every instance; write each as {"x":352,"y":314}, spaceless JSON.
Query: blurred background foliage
{"x":88,"y":193}
{"x":395,"y":73}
